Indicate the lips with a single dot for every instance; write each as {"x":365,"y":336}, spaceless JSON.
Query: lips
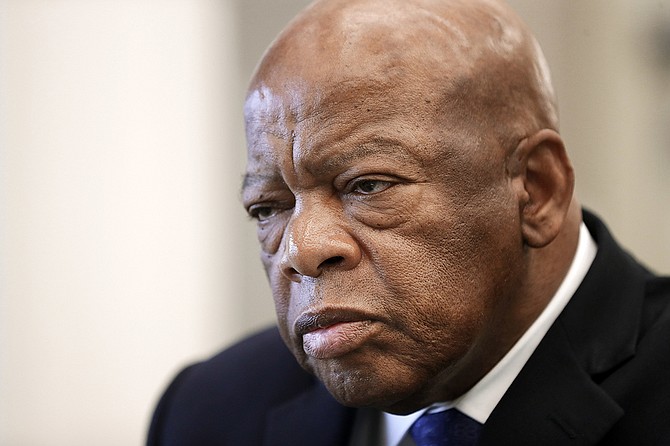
{"x":331,"y":334}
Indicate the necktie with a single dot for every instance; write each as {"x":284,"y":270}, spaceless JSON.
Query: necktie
{"x":446,"y":428}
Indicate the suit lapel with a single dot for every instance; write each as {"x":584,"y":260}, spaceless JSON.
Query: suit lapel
{"x":312,"y":417}
{"x":602,"y":320}
{"x":556,"y":399}
{"x":553,"y":401}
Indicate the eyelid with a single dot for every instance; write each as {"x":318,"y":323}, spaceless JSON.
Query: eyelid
{"x":382,"y":178}
{"x":275,"y":211}
{"x":276,"y":206}
{"x":279,"y":199}
{"x":256,"y":207}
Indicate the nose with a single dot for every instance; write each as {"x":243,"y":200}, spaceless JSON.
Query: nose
{"x":316,"y":240}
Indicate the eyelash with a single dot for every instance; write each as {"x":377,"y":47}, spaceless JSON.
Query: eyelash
{"x":255,"y":211}
{"x":357,"y":183}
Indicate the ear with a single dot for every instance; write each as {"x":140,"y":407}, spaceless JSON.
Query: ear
{"x":544,"y":181}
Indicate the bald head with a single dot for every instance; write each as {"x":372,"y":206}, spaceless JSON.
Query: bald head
{"x":474,"y":57}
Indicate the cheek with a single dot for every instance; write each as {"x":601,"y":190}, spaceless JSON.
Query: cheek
{"x":270,"y":234}
{"x":280,"y":288}
{"x":390,"y":209}
{"x":287,"y":302}
{"x":279,"y":285}
{"x":270,"y":237}
{"x":446,"y":268}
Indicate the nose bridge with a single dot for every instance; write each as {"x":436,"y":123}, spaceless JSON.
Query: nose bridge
{"x":317,"y":238}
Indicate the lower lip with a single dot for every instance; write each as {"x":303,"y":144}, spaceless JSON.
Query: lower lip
{"x":336,"y":340}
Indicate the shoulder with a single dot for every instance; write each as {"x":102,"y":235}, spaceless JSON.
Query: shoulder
{"x":641,"y":386}
{"x":227,"y":396}
{"x":259,"y":360}
{"x":656,"y":310}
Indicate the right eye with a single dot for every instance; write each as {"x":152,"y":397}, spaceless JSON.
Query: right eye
{"x":262,"y":212}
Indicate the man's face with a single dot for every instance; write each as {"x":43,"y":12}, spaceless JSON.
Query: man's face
{"x":389,"y":234}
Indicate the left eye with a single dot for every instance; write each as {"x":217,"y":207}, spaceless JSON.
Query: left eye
{"x":368,"y":187}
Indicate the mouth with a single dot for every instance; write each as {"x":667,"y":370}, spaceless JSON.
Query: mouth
{"x":331,"y":334}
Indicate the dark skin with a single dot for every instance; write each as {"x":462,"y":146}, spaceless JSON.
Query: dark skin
{"x":413,"y":196}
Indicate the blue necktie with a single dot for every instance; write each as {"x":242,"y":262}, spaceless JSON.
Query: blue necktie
{"x":446,"y":428}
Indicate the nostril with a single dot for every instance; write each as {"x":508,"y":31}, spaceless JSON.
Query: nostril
{"x":332,"y":261}
{"x":292,"y":272}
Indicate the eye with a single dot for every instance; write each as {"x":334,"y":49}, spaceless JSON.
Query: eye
{"x":370,"y":186}
{"x":262,"y":212}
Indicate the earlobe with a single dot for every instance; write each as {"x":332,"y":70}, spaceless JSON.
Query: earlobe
{"x":543,"y":173}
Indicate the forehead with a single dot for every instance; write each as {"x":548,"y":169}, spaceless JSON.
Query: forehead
{"x":281,"y":110}
{"x":318,"y":99}
{"x":331,"y":123}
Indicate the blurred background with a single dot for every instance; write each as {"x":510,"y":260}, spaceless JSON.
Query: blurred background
{"x":124,"y":251}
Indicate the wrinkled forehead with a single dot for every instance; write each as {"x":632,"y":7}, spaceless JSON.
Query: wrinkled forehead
{"x":318,"y":117}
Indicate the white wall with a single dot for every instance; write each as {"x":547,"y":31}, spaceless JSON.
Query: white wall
{"x":116,"y":190}
{"x":124,"y":252}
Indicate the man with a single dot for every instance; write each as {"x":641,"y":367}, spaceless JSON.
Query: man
{"x":427,"y":257}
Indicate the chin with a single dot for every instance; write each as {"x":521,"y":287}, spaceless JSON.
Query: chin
{"x":366,"y":387}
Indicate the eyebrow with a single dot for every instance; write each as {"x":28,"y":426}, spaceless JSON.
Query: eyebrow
{"x":251,"y":180}
{"x":375,"y":147}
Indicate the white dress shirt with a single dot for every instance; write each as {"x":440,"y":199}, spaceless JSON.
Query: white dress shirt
{"x":386,"y":429}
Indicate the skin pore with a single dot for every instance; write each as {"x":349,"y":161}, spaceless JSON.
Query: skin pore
{"x":412,"y":195}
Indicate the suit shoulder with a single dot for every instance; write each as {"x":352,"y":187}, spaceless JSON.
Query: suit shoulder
{"x":213,"y":401}
{"x":253,"y":359}
{"x":640,"y":386}
{"x":656,"y":309}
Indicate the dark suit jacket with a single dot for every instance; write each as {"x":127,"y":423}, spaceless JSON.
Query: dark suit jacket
{"x":601,"y":375}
